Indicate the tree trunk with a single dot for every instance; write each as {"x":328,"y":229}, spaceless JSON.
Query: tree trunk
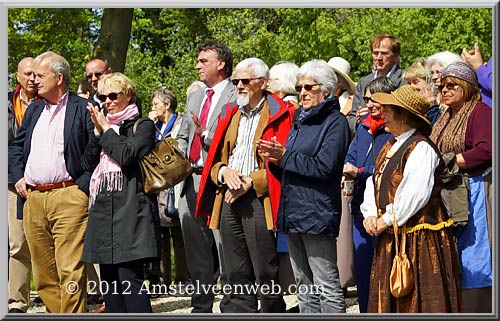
{"x":114,"y":37}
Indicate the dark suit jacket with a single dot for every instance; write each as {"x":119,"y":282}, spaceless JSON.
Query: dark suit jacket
{"x":396,"y":77}
{"x":77,"y":129}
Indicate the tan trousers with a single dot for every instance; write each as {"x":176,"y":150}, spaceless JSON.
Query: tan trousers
{"x":55,"y":222}
{"x":19,"y":259}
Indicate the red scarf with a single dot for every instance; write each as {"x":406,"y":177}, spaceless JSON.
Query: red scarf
{"x":375,"y":124}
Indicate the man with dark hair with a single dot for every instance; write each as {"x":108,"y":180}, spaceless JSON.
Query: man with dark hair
{"x":45,"y":163}
{"x":214,"y":66}
{"x":385,"y":53}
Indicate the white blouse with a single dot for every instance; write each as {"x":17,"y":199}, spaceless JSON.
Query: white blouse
{"x":415,"y":189}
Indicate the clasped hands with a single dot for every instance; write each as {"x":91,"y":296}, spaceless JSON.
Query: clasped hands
{"x":97,"y":116}
{"x":374,"y":225}
{"x":237,"y":184}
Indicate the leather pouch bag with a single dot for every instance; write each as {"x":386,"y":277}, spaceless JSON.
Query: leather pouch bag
{"x":402,"y":279}
{"x":164,"y":166}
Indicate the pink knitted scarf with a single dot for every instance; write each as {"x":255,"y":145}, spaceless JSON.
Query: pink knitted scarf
{"x":108,"y":174}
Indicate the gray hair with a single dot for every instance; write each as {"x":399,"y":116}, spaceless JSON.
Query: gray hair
{"x":256,"y":66}
{"x":166,"y":96}
{"x":58,"y":65}
{"x":443,"y":58}
{"x":320,"y":71}
{"x":195,"y":85}
{"x":283,"y":77}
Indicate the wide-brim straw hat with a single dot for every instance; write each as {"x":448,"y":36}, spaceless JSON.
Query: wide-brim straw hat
{"x":408,"y":98}
{"x":342,"y":67}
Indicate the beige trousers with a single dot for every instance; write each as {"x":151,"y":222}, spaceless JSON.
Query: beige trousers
{"x":19,"y":259}
{"x":55,"y":223}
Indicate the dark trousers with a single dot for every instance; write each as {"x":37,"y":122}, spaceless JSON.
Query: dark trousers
{"x":250,"y":255}
{"x":121,"y":288}
{"x":181,"y":270}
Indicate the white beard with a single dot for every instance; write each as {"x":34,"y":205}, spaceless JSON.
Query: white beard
{"x":243,"y":100}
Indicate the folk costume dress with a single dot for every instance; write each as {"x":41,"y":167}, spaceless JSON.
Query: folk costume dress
{"x":407,"y":181}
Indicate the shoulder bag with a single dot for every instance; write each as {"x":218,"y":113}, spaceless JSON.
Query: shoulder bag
{"x":164,"y":166}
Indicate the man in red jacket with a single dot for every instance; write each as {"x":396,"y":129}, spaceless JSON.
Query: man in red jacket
{"x":240,"y":195}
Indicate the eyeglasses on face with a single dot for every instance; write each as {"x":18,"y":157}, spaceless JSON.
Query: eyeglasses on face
{"x":367,"y":99}
{"x":111,"y":96}
{"x":449,"y":86}
{"x":307,"y":87}
{"x":244,"y":81}
{"x":96,"y":74}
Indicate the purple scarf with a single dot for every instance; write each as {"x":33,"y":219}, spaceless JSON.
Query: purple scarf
{"x":108,"y":173}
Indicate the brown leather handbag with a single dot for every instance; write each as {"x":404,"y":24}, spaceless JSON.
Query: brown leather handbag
{"x":164,"y":166}
{"x":402,"y":280}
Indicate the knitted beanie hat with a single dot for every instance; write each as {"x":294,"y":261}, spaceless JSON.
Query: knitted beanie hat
{"x":461,"y":70}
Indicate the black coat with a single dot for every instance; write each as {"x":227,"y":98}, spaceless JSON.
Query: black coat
{"x":312,"y":165}
{"x":123,"y":225}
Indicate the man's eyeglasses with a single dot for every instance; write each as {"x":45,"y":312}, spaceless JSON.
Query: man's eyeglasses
{"x":244,"y":81}
{"x":449,"y":86}
{"x":111,"y":96}
{"x":306,"y":87}
{"x":96,"y":74}
{"x":367,"y":99}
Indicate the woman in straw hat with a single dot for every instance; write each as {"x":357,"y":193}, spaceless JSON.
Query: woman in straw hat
{"x":465,"y":131}
{"x":405,"y":188}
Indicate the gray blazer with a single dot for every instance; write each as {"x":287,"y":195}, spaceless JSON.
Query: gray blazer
{"x":396,"y":77}
{"x":186,"y":132}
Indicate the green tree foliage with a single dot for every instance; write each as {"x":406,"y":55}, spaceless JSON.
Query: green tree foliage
{"x":69,"y":32}
{"x":164,"y":41}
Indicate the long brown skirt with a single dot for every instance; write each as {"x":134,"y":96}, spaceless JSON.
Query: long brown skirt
{"x":436,"y":269}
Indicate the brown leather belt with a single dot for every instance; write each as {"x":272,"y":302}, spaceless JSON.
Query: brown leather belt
{"x":49,"y":187}
{"x":198,"y":170}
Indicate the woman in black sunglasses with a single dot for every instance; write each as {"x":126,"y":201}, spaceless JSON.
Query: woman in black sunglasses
{"x":123,"y":227}
{"x":310,"y":165}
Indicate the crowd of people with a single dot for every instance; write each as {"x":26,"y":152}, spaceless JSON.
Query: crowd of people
{"x":302,"y":178}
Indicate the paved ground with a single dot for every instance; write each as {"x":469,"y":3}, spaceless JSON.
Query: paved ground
{"x":180,"y":304}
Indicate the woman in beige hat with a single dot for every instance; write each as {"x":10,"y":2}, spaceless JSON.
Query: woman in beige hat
{"x":405,"y":188}
{"x":345,"y":86}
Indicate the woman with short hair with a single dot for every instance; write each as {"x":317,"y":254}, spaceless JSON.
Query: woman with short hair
{"x":123,"y":228}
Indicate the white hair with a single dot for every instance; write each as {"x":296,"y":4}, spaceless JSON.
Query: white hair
{"x":443,"y":58}
{"x":320,"y":71}
{"x":257,"y":67}
{"x":283,"y":77}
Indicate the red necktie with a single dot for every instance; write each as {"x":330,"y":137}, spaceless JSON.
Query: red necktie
{"x":194,"y":154}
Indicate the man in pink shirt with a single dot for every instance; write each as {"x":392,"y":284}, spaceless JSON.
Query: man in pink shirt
{"x":45,"y":163}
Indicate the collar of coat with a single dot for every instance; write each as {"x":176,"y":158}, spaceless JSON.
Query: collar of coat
{"x":321,"y":110}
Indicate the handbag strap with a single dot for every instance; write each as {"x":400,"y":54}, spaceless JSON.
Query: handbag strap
{"x":138,"y":121}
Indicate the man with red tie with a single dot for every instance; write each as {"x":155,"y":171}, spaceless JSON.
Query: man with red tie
{"x":214,"y":66}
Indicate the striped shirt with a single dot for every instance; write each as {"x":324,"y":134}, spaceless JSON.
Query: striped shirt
{"x":243,"y":158}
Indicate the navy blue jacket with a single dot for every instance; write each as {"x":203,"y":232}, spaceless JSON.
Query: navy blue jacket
{"x":362,"y":153}
{"x":311,"y":170}
{"x":77,"y":130}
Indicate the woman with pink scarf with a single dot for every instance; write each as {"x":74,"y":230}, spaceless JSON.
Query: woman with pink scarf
{"x":123,"y":227}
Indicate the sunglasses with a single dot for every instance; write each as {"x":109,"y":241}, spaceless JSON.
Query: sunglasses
{"x":96,"y":74}
{"x":111,"y":96}
{"x":244,"y":81}
{"x":367,"y":99}
{"x":306,"y":87}
{"x":449,"y":86}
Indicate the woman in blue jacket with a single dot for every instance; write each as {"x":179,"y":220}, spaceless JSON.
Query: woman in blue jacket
{"x":359,"y":165}
{"x":310,"y":167}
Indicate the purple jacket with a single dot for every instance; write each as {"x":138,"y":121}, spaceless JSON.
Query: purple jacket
{"x":484,"y":74}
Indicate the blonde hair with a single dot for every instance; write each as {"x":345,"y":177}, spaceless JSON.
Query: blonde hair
{"x":417,"y":70}
{"x":118,"y":82}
